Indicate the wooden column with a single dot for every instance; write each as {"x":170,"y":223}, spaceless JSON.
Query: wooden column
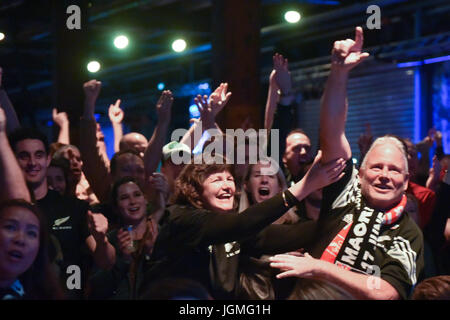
{"x":71,"y":48}
{"x":235,"y":59}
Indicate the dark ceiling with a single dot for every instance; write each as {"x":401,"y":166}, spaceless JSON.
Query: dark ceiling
{"x":27,"y":52}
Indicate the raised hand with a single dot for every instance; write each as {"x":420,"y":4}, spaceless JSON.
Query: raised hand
{"x":438,"y":138}
{"x":60,"y":118}
{"x":158,"y":182}
{"x":280,"y":75}
{"x":98,"y":226}
{"x":347,"y":54}
{"x":321,"y":175}
{"x":115,"y":113}
{"x":92,"y":89}
{"x":164,"y":106}
{"x":219,"y":98}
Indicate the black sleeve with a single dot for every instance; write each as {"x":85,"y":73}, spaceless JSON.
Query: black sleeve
{"x":331,"y":192}
{"x":199,"y":226}
{"x":279,"y":238}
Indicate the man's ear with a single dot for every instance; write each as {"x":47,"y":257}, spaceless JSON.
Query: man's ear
{"x":405,"y":187}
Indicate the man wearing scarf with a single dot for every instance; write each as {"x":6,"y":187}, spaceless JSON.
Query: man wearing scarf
{"x":366,"y":243}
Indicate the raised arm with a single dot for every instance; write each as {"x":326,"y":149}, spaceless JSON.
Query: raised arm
{"x":102,"y":251}
{"x":94,"y":165}
{"x":11,"y":177}
{"x":345,"y":56}
{"x":280,"y":89}
{"x":6,"y":105}
{"x":209,"y":108}
{"x":116,"y":115}
{"x":61,"y":119}
{"x":153,"y":152}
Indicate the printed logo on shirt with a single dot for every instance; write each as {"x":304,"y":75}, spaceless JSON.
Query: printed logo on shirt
{"x":58,"y":222}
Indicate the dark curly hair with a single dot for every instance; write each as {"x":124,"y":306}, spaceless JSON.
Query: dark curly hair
{"x":189,"y":184}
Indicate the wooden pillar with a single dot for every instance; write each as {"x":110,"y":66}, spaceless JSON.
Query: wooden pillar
{"x":235,"y":59}
{"x":71,"y":47}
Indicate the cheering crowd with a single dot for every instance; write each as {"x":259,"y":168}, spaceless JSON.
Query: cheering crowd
{"x":75,"y":224}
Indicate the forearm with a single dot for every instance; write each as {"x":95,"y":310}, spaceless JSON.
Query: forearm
{"x":271,"y":105}
{"x":94,"y":166}
{"x":104,"y":254}
{"x":11,"y":116}
{"x":333,"y":114}
{"x":64,"y":134}
{"x":360,"y":286}
{"x":153,"y":152}
{"x":118,"y":134}
{"x":11,"y":177}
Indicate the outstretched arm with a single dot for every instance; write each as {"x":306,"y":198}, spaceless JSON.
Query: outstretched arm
{"x":11,"y":177}
{"x":95,"y":167}
{"x":359,"y":285}
{"x":153,"y":152}
{"x":209,"y":108}
{"x":116,"y":115}
{"x":61,"y":119}
{"x":345,"y":55}
{"x":6,"y":105}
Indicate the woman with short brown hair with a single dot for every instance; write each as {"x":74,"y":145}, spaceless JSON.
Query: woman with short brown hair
{"x":201,"y":237}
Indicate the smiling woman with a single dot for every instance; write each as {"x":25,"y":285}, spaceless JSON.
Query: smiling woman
{"x":203,"y":233}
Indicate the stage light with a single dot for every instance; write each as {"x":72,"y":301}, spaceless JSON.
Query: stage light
{"x":93,"y":66}
{"x":2,"y":36}
{"x":292,"y":16}
{"x":179,"y":45}
{"x":161,"y":86}
{"x":121,"y":42}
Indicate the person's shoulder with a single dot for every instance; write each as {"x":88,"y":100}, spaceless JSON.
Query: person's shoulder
{"x":420,"y":191}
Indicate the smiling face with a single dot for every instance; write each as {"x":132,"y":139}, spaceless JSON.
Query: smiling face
{"x":33,"y":160}
{"x":262,"y":187}
{"x":131,"y":203}
{"x":384,"y":178}
{"x":218,"y":192}
{"x":19,"y":241}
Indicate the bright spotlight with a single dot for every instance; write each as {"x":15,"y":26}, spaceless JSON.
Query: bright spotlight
{"x":121,"y":42}
{"x":2,"y":36}
{"x":292,"y":16}
{"x":93,"y":66}
{"x":161,"y":86}
{"x":179,"y":45}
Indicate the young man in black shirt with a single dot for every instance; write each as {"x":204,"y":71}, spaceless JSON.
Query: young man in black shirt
{"x":67,"y":217}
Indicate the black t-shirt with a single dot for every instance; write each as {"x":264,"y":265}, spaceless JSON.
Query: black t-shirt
{"x":398,"y":250}
{"x":67,"y":221}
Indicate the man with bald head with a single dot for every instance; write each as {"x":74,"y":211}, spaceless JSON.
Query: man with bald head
{"x":366,"y":241}
{"x":134,"y":141}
